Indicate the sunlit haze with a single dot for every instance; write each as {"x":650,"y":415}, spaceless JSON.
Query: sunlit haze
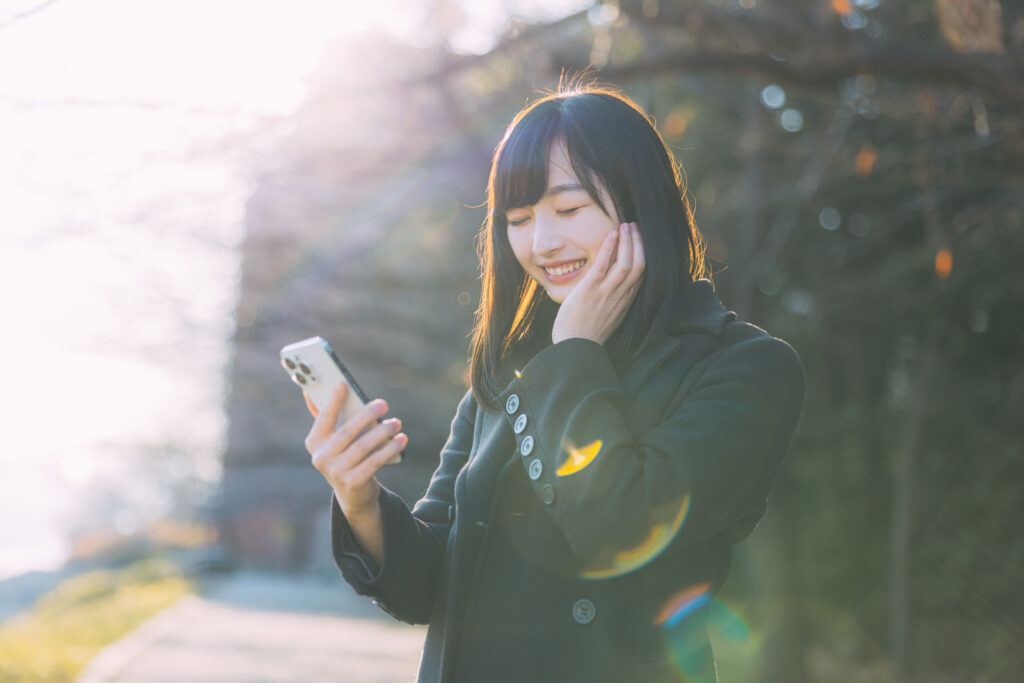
{"x":120,"y":211}
{"x":131,"y":133}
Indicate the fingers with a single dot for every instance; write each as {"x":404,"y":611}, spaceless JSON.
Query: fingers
{"x":373,"y":438}
{"x":624,"y":256}
{"x":604,"y":256}
{"x":639,"y":259}
{"x":377,"y":459}
{"x":364,"y":457}
{"x":353,"y":428}
{"x":309,"y":404}
{"x":325,"y":421}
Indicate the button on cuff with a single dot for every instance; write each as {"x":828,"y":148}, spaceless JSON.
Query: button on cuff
{"x":536,"y":469}
{"x":547,"y":494}
{"x":520,"y":424}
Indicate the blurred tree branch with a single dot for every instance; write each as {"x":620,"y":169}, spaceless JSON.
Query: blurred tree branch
{"x":766,"y":50}
{"x":994,"y":74}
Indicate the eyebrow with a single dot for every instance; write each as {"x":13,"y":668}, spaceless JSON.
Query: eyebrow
{"x":565,"y":187}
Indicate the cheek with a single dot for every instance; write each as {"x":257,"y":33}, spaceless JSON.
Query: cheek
{"x":521,"y":246}
{"x":596,"y":237}
{"x":592,"y":229}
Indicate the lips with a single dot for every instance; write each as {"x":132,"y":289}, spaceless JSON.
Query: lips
{"x":564,"y":271}
{"x":564,"y":268}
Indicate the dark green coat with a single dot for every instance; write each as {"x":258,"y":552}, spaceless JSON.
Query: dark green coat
{"x":534,"y":562}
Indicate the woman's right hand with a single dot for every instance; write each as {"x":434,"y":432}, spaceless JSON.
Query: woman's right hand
{"x":350,"y":455}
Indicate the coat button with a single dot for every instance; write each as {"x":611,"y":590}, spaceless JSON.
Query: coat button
{"x":526,"y":447}
{"x":584,"y":611}
{"x":536,"y":467}
{"x":547,"y":493}
{"x":520,"y":424}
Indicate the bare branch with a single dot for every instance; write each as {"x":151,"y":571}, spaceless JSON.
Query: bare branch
{"x":998,"y":75}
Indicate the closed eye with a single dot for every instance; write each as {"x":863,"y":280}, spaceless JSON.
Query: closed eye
{"x":561,"y":212}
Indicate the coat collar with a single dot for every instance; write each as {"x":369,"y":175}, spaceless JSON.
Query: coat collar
{"x":697,"y":309}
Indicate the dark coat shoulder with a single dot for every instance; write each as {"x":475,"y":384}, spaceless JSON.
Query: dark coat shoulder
{"x":564,"y":523}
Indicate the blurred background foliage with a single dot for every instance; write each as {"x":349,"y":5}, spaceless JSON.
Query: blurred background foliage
{"x":71,"y":623}
{"x":857,"y":167}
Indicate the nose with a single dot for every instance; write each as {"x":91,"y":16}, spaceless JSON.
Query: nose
{"x":546,"y":238}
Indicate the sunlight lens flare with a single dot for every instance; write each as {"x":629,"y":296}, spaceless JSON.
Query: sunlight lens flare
{"x":682,"y":604}
{"x":661,"y":535}
{"x":727,"y":623}
{"x":688,"y":618}
{"x":579,"y":458}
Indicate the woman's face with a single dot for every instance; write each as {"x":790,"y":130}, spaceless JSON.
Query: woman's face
{"x":556,"y":239}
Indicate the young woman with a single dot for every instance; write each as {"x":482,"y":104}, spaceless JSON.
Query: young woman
{"x":620,"y":435}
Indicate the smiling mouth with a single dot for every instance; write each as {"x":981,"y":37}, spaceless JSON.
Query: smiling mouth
{"x":564,"y":269}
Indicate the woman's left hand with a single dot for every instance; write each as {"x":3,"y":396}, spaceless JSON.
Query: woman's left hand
{"x":599,"y":302}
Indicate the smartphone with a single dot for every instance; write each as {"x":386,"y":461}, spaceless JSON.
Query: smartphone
{"x":313,"y":365}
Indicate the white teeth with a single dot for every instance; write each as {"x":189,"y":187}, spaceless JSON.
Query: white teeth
{"x":568,"y":268}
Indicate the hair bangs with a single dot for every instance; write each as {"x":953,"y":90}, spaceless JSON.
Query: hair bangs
{"x":625,"y":166}
{"x":521,"y":173}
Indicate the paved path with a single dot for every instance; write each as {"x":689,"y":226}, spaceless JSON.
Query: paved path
{"x":262,"y":627}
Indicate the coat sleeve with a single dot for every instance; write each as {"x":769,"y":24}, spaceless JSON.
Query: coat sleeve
{"x":405,"y":584}
{"x":703,"y":469}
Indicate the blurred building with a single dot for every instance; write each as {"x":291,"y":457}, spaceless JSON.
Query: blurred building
{"x":362,"y":234}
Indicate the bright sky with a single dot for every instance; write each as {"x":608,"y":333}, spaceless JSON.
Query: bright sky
{"x":127,"y":137}
{"x":119,"y":213}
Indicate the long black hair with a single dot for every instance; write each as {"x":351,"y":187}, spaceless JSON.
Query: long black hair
{"x":611,"y":140}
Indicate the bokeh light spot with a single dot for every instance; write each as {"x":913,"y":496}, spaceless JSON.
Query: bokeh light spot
{"x":978,"y":320}
{"x":866,"y":157}
{"x":773,"y":96}
{"x":944,"y":263}
{"x":841,"y":6}
{"x":854,"y":20}
{"x":860,"y":225}
{"x":829,"y":218}
{"x":677,"y":120}
{"x":792,"y":120}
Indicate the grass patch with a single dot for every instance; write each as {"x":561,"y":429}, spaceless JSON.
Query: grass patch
{"x":70,"y":624}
